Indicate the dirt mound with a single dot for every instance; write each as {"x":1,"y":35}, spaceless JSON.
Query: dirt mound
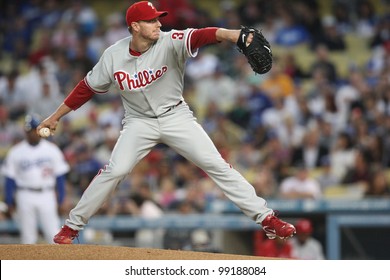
{"x":98,"y":252}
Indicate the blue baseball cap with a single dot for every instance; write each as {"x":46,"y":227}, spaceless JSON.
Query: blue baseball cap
{"x":31,"y":122}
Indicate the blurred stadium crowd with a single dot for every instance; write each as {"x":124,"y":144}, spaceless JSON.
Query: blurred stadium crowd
{"x":316,"y":126}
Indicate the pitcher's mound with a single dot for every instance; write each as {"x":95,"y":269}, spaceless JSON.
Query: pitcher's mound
{"x":98,"y":252}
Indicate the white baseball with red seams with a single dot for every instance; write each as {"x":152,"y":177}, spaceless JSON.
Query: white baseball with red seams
{"x":44,"y":132}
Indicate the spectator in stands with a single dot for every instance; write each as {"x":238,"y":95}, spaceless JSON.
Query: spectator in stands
{"x":342,"y":155}
{"x":96,"y":44}
{"x":17,"y":35}
{"x":343,"y":17}
{"x":328,"y":132}
{"x":218,"y":88}
{"x":35,"y":77}
{"x":84,"y":167}
{"x":176,"y":239}
{"x":292,"y":33}
{"x":225,"y":133}
{"x":47,"y":102}
{"x":378,"y":185}
{"x":202,"y":66}
{"x":42,"y":48}
{"x":300,"y":185}
{"x":304,"y":115}
{"x":273,"y":117}
{"x":83,"y":15}
{"x":385,"y":135}
{"x":201,"y":241}
{"x":79,"y":57}
{"x":380,"y":38}
{"x":264,"y":182}
{"x":168,"y":194}
{"x":251,"y":12}
{"x":94,"y":136}
{"x":112,"y":115}
{"x":182,"y":13}
{"x":116,"y":28}
{"x":3,"y":211}
{"x":274,"y":248}
{"x":231,"y":18}
{"x":292,"y":68}
{"x":308,"y":15}
{"x":64,"y":139}
{"x":349,"y":94}
{"x":276,"y":156}
{"x":291,"y":133}
{"x":323,"y":61}
{"x":320,"y":98}
{"x":10,"y":132}
{"x":326,"y":178}
{"x":276,"y":82}
{"x":310,"y":153}
{"x":51,"y":13}
{"x":366,"y":18}
{"x":304,"y":245}
{"x":240,"y":114}
{"x":63,"y":71}
{"x":246,"y":156}
{"x":142,"y":204}
{"x":258,"y":103}
{"x":13,"y":96}
{"x":359,"y":173}
{"x":331,"y":37}
{"x":103,"y":150}
{"x":65,"y":36}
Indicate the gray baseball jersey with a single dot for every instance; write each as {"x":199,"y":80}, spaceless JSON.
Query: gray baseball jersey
{"x":151,"y":85}
{"x":141,"y":80}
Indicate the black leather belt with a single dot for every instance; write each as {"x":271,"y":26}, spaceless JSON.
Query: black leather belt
{"x":34,"y":189}
{"x":169,"y":109}
{"x":173,"y":107}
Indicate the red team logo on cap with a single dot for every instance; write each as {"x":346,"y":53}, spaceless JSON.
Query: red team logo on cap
{"x":142,"y":10}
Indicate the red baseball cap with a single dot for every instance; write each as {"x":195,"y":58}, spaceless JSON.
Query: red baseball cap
{"x":304,"y":226}
{"x":142,"y":10}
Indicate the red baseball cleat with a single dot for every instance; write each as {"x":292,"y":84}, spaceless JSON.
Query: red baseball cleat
{"x":274,"y":227}
{"x":66,"y":235}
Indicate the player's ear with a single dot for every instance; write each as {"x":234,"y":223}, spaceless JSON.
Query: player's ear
{"x":134,"y":27}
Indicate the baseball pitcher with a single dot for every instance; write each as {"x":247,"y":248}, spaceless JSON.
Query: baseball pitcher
{"x":148,"y":69}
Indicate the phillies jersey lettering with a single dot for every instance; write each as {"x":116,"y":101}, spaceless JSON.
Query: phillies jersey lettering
{"x":138,"y":80}
{"x":149,"y":84}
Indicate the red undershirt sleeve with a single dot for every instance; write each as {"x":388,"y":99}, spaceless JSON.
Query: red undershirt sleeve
{"x":79,"y":96}
{"x":203,"y":36}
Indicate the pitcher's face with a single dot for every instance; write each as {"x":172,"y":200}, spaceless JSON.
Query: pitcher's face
{"x":150,"y":29}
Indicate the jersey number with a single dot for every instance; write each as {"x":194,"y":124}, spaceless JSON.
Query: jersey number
{"x":178,"y":36}
{"x":47,"y":172}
